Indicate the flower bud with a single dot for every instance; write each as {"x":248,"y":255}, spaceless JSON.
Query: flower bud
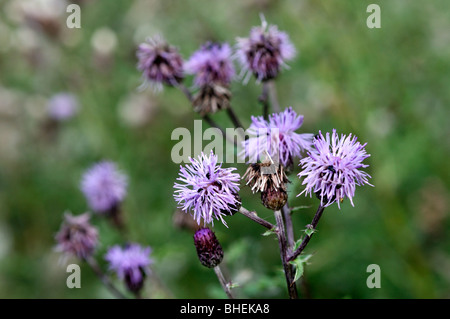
{"x":209,"y":251}
{"x":274,"y":198}
{"x":211,"y":98}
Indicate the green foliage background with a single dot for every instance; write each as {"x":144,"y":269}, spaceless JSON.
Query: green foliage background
{"x":388,"y":86}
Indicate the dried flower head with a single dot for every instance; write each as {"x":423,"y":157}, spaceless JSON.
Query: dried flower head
{"x":262,"y":176}
{"x":276,"y":137}
{"x":131,"y":264}
{"x":209,"y":251}
{"x":211,"y":98}
{"x":274,"y":198}
{"x":77,"y":236}
{"x":104,"y":187}
{"x":211,"y":64}
{"x":207,"y":190}
{"x":264,"y":52}
{"x":332,"y":168}
{"x":160,"y":62}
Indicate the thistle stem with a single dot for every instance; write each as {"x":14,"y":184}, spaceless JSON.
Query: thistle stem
{"x":289,"y":226}
{"x":223,"y":282}
{"x":253,"y":216}
{"x":272,"y":92}
{"x":105,"y":280}
{"x":292,"y":288}
{"x":263,"y":99}
{"x":305,"y":241}
{"x":234,"y":118}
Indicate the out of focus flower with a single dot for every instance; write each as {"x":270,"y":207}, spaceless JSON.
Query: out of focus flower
{"x":332,"y":168}
{"x":207,"y":190}
{"x":77,"y":236}
{"x":277,"y":137}
{"x":211,"y":98}
{"x":211,"y":64}
{"x":62,"y":106}
{"x":131,"y":264}
{"x":104,"y":187}
{"x":208,"y":248}
{"x":264,"y":52}
{"x":160,"y":62}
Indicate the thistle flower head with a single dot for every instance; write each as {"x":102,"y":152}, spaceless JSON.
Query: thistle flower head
{"x":211,"y":64}
{"x":332,"y":168}
{"x":131,"y":264}
{"x":265,"y":51}
{"x":160,"y":62}
{"x":206,"y":190}
{"x":266,"y":175}
{"x":104,"y":187}
{"x":277,"y":137}
{"x":209,"y":250}
{"x":62,"y":106}
{"x":77,"y":236}
{"x":211,"y":98}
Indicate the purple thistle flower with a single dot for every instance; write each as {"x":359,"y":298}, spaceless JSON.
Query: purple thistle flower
{"x":160,"y":62}
{"x":209,"y":250}
{"x":62,"y":106}
{"x":332,"y":169}
{"x":104,"y":187}
{"x":264,"y":52}
{"x":277,"y":137}
{"x":77,"y":236}
{"x":130,"y":263}
{"x":207,"y":190}
{"x":211,"y":65}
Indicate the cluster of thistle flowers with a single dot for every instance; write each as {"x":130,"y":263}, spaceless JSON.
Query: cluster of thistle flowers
{"x":105,"y":188}
{"x":330,"y":164}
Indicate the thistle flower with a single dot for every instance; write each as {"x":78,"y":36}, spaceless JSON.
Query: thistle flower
{"x":160,"y":62}
{"x":130,"y":263}
{"x":208,"y":248}
{"x":332,"y":168}
{"x":211,"y":64}
{"x":104,"y":187}
{"x":211,"y":98}
{"x":277,"y":137}
{"x":62,"y":106}
{"x":77,"y":236}
{"x":207,"y":191}
{"x":262,"y":176}
{"x":264,"y":52}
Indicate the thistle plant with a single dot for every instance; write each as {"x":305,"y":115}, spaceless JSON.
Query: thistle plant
{"x":273,"y":146}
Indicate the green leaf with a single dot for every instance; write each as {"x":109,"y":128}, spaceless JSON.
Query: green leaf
{"x":299,"y":264}
{"x":309,"y":231}
{"x":269,"y":232}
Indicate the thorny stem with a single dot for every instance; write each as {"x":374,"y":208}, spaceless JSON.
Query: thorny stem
{"x":305,"y":241}
{"x":289,"y":226}
{"x":253,"y":216}
{"x":292,"y":288}
{"x":234,"y":118}
{"x":223,"y":282}
{"x":105,"y":280}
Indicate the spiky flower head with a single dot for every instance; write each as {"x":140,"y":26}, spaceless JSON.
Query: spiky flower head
{"x":262,"y":176}
{"x":332,"y":168}
{"x":206,"y":190}
{"x":276,"y":137}
{"x":160,"y":62}
{"x":62,"y":106}
{"x":131,"y":264}
{"x":77,"y":236}
{"x":211,"y":98}
{"x":209,"y":250}
{"x":265,"y":51}
{"x":104,"y":186}
{"x":211,"y":64}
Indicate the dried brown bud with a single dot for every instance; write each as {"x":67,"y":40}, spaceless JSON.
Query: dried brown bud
{"x":274,"y":198}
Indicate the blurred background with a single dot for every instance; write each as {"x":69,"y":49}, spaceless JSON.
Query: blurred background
{"x":388,"y":86}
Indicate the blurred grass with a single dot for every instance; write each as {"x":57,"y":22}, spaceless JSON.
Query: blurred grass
{"x":388,"y":86}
